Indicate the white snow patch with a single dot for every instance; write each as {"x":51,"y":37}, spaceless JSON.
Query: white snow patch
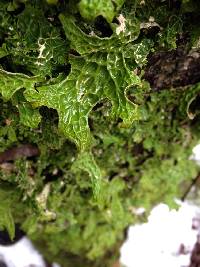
{"x":196,"y":154}
{"x":158,"y":242}
{"x":21,"y":254}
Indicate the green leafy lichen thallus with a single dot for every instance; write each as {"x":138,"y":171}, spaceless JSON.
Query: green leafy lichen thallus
{"x":100,"y":72}
{"x":108,"y":9}
{"x":72,"y":85}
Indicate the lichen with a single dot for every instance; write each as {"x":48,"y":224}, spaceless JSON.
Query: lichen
{"x":110,"y":138}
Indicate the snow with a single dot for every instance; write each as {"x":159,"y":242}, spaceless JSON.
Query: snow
{"x":158,"y":242}
{"x":21,"y":254}
{"x":196,"y":154}
{"x":167,"y":239}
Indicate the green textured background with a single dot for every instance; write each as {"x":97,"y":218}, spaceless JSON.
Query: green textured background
{"x":71,"y":84}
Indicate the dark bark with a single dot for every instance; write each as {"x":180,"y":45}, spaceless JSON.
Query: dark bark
{"x":171,"y":69}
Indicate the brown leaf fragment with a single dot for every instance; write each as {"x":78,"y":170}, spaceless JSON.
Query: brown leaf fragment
{"x":23,"y":151}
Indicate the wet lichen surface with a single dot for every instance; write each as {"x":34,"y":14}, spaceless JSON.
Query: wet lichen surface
{"x":99,"y":114}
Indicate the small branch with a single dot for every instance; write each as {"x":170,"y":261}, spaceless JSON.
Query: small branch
{"x":193,"y":183}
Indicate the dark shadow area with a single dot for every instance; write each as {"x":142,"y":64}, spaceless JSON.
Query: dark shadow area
{"x":5,"y":238}
{"x":171,"y":69}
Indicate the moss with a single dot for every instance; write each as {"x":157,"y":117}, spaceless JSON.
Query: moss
{"x":75,"y":202}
